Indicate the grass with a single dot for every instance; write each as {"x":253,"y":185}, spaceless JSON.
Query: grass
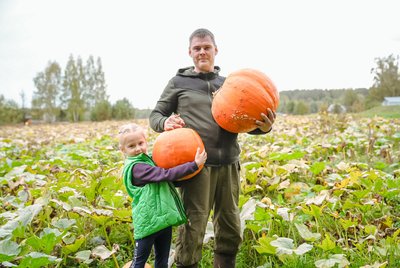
{"x":382,"y":111}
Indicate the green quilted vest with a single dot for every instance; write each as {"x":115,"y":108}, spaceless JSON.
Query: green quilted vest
{"x":155,"y":206}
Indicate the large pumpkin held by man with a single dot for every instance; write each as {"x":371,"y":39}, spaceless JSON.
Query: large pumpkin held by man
{"x":242,"y":98}
{"x":175,"y":147}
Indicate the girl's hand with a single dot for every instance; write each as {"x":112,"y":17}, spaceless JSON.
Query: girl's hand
{"x":268,"y":121}
{"x":200,"y":157}
{"x":174,"y":121}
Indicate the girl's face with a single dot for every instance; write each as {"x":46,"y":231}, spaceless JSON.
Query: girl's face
{"x":134,"y":143}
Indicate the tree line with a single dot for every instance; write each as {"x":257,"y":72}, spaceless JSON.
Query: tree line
{"x":79,"y":92}
{"x":308,"y":101}
{"x":75,"y":94}
{"x":386,"y":83}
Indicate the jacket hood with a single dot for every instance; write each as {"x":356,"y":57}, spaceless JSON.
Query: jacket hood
{"x":189,"y":72}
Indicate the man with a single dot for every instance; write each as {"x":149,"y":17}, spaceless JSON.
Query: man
{"x":186,"y":102}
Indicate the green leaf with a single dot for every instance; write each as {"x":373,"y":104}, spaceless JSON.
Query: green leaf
{"x":102,"y":216}
{"x":251,"y":165}
{"x":19,"y":232}
{"x":8,"y":264}
{"x":370,"y":229}
{"x":262,"y":215}
{"x":347,"y":223}
{"x":313,"y":210}
{"x":16,"y":172}
{"x":46,"y":242}
{"x":249,"y":189}
{"x":254,"y":227}
{"x":64,"y":223}
{"x":306,"y":234}
{"x":317,"y":167}
{"x":247,"y":212}
{"x":84,"y":256}
{"x":285,"y":246}
{"x":303,"y":248}
{"x":102,"y":252}
{"x":123,"y":214}
{"x":25,"y":216}
{"x":74,"y":247}
{"x":361,"y":193}
{"x":339,"y":259}
{"x":286,"y":156}
{"x":380,"y":165}
{"x":37,"y":260}
{"x":8,"y":249}
{"x":69,"y":238}
{"x":327,"y":244}
{"x":264,"y":246}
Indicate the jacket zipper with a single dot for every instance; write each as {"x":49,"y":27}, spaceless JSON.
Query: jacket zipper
{"x":218,"y":132}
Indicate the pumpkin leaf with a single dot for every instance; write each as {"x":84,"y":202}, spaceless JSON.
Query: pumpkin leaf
{"x":306,"y":234}
{"x":64,"y":223}
{"x":74,"y":246}
{"x":327,"y":244}
{"x":317,"y":167}
{"x":8,"y":249}
{"x":102,"y":252}
{"x":285,"y":246}
{"x":37,"y":260}
{"x":84,"y":256}
{"x":264,"y":246}
{"x":286,"y":156}
{"x":25,"y":216}
{"x":247,"y":213}
{"x":338,"y":259}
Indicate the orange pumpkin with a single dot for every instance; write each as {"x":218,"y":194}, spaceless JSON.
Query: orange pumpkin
{"x":128,"y":264}
{"x":242,"y":98}
{"x":175,"y":147}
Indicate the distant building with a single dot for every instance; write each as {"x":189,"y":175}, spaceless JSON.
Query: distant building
{"x":389,"y":101}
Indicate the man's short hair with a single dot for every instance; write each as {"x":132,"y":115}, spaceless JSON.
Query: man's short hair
{"x":201,"y":33}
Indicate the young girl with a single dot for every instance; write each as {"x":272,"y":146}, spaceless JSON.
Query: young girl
{"x":156,"y":205}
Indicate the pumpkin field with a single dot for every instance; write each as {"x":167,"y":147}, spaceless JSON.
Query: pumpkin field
{"x":318,"y":191}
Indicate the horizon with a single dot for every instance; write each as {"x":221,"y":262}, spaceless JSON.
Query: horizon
{"x":299,"y":45}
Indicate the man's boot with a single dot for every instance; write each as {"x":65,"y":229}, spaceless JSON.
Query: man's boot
{"x":224,"y":260}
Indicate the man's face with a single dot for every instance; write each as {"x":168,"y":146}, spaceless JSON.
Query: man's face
{"x":203,"y":51}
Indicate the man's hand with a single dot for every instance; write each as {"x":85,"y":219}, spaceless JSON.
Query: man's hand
{"x":200,"y":157}
{"x":268,"y":121}
{"x":174,"y":121}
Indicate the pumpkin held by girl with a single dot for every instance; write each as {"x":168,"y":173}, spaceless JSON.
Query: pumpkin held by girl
{"x":242,"y":98}
{"x":175,"y":147}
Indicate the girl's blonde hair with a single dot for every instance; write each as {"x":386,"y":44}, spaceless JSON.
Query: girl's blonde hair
{"x":129,"y":128}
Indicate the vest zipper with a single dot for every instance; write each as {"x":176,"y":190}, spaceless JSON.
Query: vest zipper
{"x":178,"y":202}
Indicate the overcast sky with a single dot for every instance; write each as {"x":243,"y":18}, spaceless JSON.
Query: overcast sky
{"x":304,"y":44}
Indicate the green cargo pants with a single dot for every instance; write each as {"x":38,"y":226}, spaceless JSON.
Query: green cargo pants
{"x":215,"y":188}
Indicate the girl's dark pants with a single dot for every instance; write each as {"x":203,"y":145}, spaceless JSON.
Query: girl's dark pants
{"x":162,"y":243}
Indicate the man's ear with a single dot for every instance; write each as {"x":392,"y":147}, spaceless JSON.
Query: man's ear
{"x":216,"y":50}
